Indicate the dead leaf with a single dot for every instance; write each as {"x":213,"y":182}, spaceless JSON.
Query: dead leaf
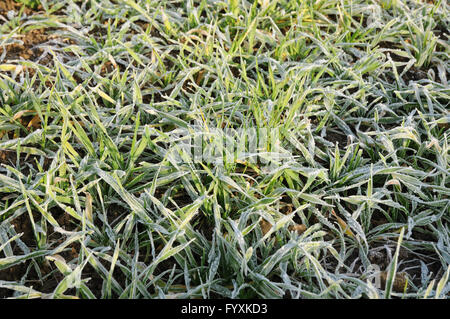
{"x":79,"y":122}
{"x":35,"y":122}
{"x":343,"y":225}
{"x":265,"y":226}
{"x":89,"y":207}
{"x":393,"y":181}
{"x":19,"y":114}
{"x":299,"y":228}
{"x":200,"y":77}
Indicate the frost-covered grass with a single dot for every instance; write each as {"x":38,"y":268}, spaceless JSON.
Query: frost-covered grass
{"x":358,"y":91}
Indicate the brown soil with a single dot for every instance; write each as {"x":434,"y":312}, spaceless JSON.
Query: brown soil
{"x":399,"y":284}
{"x":27,"y":50}
{"x":334,"y":138}
{"x":8,"y":5}
{"x":49,"y":277}
{"x":48,"y":272}
{"x":14,"y":273}
{"x":22,"y":224}
{"x":26,"y":161}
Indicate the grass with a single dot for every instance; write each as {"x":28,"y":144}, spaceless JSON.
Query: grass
{"x":356,"y":91}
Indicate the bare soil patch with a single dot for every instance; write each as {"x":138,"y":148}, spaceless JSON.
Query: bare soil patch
{"x":27,"y":50}
{"x":8,"y":5}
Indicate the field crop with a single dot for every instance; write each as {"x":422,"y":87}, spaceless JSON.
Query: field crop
{"x":224,"y":149}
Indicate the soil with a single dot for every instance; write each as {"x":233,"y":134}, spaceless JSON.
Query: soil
{"x":8,"y":5}
{"x":50,"y":276}
{"x":334,"y":138}
{"x":399,"y":284}
{"x":26,"y":161}
{"x":22,"y":224}
{"x":27,"y":49}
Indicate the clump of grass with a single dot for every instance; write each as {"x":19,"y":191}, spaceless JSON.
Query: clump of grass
{"x":116,"y":207}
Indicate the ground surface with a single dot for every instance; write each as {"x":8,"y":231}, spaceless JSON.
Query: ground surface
{"x":98,"y":200}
